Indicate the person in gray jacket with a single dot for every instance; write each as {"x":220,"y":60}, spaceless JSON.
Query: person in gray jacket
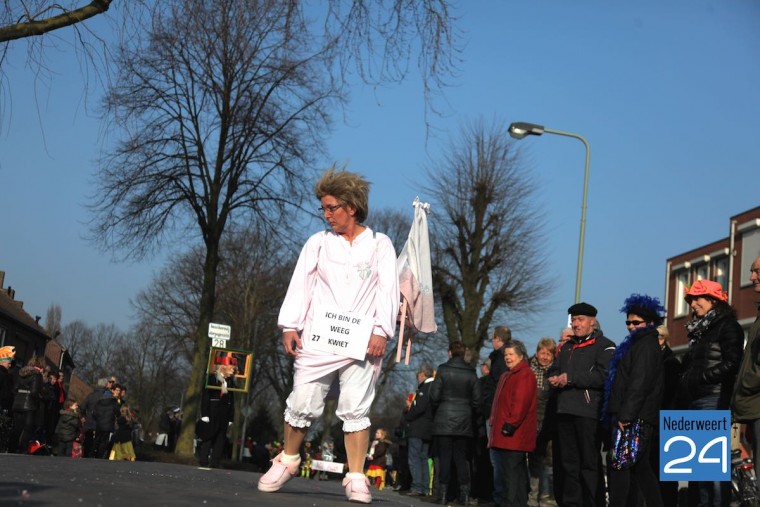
{"x":456,"y":396}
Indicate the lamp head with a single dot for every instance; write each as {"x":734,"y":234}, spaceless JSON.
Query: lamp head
{"x":520,"y":129}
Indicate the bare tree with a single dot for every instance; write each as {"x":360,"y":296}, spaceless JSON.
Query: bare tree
{"x":393,"y":223}
{"x":75,"y":336}
{"x":223,"y":105}
{"x":93,"y":349}
{"x":486,"y":234}
{"x":169,"y":305}
{"x":154,"y":375}
{"x":53,"y":320}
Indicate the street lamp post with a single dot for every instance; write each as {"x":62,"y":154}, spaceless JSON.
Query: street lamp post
{"x":519,"y":130}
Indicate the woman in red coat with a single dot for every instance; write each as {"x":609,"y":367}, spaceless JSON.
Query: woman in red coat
{"x":514,"y":427}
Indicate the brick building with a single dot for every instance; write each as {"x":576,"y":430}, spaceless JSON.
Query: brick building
{"x":19,"y":329}
{"x":727,"y":261}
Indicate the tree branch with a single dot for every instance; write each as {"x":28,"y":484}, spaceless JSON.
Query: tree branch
{"x":34,"y":27}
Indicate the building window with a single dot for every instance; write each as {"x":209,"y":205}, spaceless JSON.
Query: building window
{"x":700,"y":272}
{"x":750,"y":252}
{"x":720,"y":272}
{"x":682,"y":280}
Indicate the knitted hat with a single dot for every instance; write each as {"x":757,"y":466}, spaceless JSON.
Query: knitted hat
{"x":648,"y":308}
{"x":706,"y":288}
{"x":7,"y":353}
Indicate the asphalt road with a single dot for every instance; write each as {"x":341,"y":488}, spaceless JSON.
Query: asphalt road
{"x":48,"y":480}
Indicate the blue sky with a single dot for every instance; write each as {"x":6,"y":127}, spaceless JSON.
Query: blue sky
{"x":666,"y":93}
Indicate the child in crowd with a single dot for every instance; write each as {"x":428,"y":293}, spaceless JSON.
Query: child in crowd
{"x":67,"y":429}
{"x":377,"y":457}
{"x":122,"y":446}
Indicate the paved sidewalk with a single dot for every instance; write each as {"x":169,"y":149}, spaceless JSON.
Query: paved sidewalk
{"x":52,"y":481}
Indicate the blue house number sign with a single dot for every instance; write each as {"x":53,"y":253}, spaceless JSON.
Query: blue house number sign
{"x":695,"y":445}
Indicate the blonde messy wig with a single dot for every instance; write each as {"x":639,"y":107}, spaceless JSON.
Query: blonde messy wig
{"x":348,"y":188}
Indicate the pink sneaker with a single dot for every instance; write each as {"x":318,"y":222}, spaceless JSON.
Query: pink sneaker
{"x":279,"y":473}
{"x":357,"y":488}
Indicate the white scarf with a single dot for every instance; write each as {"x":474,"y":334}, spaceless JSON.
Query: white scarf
{"x":222,"y":381}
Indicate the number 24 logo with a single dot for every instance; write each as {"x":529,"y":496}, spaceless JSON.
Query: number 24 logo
{"x":670,"y":465}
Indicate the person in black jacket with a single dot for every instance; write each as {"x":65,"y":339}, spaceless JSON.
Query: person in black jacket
{"x":716,"y":342}
{"x":455,"y":394}
{"x":577,"y":375}
{"x":419,"y":418}
{"x":217,"y":412}
{"x":633,"y":395}
{"x":671,"y":370}
{"x":26,"y":404}
{"x":7,"y":355}
{"x":497,"y":366}
{"x":105,"y":412}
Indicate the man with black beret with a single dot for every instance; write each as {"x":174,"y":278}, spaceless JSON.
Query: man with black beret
{"x":578,"y":376}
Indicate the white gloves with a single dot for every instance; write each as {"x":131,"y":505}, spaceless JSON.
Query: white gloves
{"x":204,"y":419}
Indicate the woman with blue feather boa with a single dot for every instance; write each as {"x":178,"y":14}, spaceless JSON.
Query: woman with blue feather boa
{"x":632,"y":398}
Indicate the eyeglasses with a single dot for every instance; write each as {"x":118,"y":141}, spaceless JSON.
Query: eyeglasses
{"x":330,"y":209}
{"x":634,"y":322}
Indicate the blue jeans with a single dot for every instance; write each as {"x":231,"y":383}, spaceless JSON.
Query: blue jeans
{"x":419,"y":451}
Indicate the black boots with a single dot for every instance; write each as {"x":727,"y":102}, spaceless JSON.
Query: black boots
{"x":464,"y":495}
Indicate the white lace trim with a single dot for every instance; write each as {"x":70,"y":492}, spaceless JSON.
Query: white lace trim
{"x":356,"y":425}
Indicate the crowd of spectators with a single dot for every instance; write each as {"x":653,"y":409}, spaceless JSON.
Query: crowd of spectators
{"x":38,"y":417}
{"x":538,"y":430}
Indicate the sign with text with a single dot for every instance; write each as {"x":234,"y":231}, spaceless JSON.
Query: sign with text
{"x":695,"y":445}
{"x":327,"y":466}
{"x":342,"y":333}
{"x":220,"y":331}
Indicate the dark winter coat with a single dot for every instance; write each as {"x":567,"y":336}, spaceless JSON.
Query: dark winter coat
{"x":456,"y":396}
{"x":671,"y":369}
{"x":123,"y":431}
{"x":6,"y":390}
{"x":514,"y":423}
{"x":586,"y":363}
{"x":638,"y":384}
{"x":746,"y":401}
{"x":68,"y":427}
{"x":27,"y":397}
{"x":87,"y":407}
{"x":488,"y":385}
{"x":711,"y":365}
{"x":544,"y":389}
{"x":419,"y":417}
{"x":105,"y":412}
{"x":380,"y":455}
{"x":219,"y":408}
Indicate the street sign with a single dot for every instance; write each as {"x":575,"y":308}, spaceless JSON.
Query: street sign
{"x":219,"y":331}
{"x":219,"y":343}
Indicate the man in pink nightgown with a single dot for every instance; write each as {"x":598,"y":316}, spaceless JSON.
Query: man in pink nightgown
{"x":337,"y":318}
